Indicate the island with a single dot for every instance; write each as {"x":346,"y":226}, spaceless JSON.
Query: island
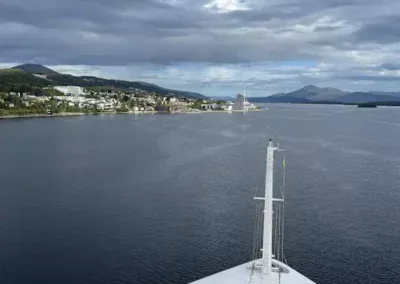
{"x":367,"y":105}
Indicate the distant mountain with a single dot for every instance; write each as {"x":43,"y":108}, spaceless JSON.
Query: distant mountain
{"x":314,"y":94}
{"x":225,"y":98}
{"x":27,"y":76}
{"x":36,"y":69}
{"x":278,"y":99}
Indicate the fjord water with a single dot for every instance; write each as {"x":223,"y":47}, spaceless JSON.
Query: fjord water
{"x":168,"y":198}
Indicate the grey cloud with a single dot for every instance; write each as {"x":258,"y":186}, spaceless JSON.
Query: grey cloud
{"x":370,"y":78}
{"x":326,"y":29}
{"x":123,"y":32}
{"x":390,"y":66}
{"x":381,"y":30}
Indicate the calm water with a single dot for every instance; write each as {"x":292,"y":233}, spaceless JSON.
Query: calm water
{"x":168,"y":199}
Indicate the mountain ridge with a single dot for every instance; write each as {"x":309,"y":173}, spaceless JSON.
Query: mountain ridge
{"x":314,"y":94}
{"x":35,"y":69}
{"x":36,"y":75}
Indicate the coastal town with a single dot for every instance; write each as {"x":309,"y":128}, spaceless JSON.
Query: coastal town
{"x":35,"y":90}
{"x":58,"y":100}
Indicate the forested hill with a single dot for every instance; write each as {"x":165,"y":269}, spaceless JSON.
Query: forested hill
{"x":24,"y":78}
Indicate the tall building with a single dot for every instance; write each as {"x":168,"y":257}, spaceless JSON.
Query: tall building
{"x":239,"y":103}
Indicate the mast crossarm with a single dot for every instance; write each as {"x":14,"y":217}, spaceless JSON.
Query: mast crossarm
{"x":278,"y":200}
{"x":273,"y":199}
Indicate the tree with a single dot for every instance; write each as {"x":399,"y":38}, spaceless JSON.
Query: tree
{"x":52,"y":92}
{"x":197,"y":104}
{"x":132,"y":103}
{"x":96,"y":109}
{"x":3,"y":95}
{"x":123,"y":108}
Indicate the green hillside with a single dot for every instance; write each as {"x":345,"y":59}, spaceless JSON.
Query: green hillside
{"x":13,"y":80}
{"x":21,"y":79}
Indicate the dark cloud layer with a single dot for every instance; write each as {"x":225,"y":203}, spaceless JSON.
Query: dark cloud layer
{"x":381,"y":30}
{"x":279,"y":44}
{"x":123,"y":32}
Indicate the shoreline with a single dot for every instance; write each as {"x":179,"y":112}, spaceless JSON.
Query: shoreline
{"x":222,"y":111}
{"x":41,"y":115}
{"x":101,"y":113}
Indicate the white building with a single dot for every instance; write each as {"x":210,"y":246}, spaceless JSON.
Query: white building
{"x":70,"y":90}
{"x":209,"y":106}
{"x":227,"y":107}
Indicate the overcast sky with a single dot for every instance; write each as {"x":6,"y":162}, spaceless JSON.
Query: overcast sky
{"x":214,"y":46}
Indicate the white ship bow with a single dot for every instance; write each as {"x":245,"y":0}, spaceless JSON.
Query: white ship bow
{"x":269,"y":267}
{"x":245,"y":274}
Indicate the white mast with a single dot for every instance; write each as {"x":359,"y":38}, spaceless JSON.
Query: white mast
{"x":268,"y":201}
{"x":267,"y":235}
{"x":244,"y":98}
